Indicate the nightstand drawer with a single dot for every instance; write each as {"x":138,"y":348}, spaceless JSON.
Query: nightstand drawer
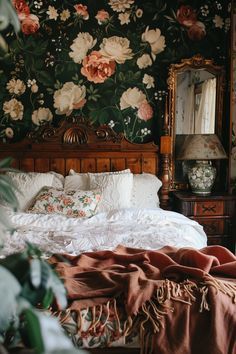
{"x":212,"y":226}
{"x":217,"y":240}
{"x":209,"y":208}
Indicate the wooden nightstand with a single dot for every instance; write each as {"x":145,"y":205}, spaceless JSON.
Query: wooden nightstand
{"x":216,"y":213}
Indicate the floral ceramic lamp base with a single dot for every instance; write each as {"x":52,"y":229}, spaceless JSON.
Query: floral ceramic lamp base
{"x":202,"y":177}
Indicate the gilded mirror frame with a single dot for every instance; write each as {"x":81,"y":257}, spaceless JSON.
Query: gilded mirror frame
{"x":197,"y":62}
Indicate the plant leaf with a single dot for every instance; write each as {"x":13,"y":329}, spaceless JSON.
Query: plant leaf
{"x":35,"y":272}
{"x":45,"y":333}
{"x":9,"y":290}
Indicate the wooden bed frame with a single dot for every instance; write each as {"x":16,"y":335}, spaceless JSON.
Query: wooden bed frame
{"x":74,"y":144}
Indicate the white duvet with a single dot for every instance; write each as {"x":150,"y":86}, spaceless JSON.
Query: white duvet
{"x":144,"y":228}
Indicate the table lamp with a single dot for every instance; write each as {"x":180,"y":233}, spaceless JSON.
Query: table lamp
{"x":203,"y":148}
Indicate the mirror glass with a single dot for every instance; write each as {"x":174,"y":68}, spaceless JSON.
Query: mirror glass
{"x":196,"y":88}
{"x":195,"y":105}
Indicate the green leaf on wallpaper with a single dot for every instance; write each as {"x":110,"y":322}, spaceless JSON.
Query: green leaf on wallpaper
{"x":44,"y":78}
{"x":121,"y":76}
{"x":62,"y":71}
{"x":108,"y":83}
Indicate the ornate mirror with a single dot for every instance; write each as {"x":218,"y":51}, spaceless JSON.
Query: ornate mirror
{"x":196,"y":88}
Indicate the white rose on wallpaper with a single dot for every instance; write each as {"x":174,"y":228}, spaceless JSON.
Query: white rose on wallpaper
{"x":139,"y":13}
{"x":81,"y":45}
{"x":133,"y":97}
{"x":155,"y":39}
{"x":34,"y":88}
{"x":218,"y":21}
{"x":124,"y":18}
{"x":116,"y":48}
{"x":148,"y":80}
{"x":9,"y":133}
{"x":14,"y":108}
{"x":16,"y":87}
{"x":69,"y":97}
{"x":120,"y":5}
{"x":41,"y":116}
{"x":52,"y":13}
{"x":144,"y":61}
{"x":64,"y":15}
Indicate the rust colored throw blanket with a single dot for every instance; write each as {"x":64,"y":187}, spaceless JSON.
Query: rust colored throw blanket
{"x":183,"y":299}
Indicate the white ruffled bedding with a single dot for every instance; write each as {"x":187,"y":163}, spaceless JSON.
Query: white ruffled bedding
{"x":144,"y":228}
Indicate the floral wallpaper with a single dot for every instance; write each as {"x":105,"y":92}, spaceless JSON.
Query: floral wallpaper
{"x":233,"y":152}
{"x":105,"y":60}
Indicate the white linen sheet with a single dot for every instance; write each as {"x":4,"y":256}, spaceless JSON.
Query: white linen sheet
{"x":144,"y":228}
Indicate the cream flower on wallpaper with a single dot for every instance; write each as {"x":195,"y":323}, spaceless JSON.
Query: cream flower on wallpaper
{"x":139,"y":13}
{"x":16,"y":87}
{"x":41,"y":115}
{"x":64,"y":15}
{"x":81,"y":45}
{"x":155,"y":39}
{"x":144,"y":61}
{"x":69,"y":97}
{"x":120,"y":5}
{"x":133,"y":97}
{"x":218,"y":21}
{"x":9,"y":133}
{"x":116,"y":48}
{"x":14,"y":108}
{"x":124,"y":18}
{"x":52,"y":13}
{"x":148,"y":80}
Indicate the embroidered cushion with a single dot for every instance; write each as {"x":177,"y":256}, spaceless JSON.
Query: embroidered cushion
{"x":116,"y":190}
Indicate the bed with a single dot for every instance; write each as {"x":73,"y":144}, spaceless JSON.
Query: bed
{"x":79,"y":151}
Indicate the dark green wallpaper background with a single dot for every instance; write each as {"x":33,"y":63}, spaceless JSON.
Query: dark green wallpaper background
{"x":106,"y":61}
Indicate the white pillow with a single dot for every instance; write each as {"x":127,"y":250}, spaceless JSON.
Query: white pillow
{"x":77,"y":181}
{"x":116,"y":190}
{"x":30,"y":183}
{"x":80,"y":181}
{"x":145,"y":191}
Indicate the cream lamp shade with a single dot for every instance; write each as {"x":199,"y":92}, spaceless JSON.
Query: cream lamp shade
{"x":203,"y":148}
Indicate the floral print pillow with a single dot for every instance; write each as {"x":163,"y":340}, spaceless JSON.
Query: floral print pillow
{"x":77,"y":204}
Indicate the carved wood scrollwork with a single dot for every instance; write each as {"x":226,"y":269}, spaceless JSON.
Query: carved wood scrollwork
{"x":106,"y":133}
{"x":44,"y":133}
{"x":75,"y":131}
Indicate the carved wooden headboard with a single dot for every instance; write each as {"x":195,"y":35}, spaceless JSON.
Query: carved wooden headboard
{"x":75,"y":144}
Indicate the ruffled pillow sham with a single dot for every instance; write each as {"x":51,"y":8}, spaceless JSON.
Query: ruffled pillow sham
{"x":145,"y":191}
{"x":76,"y":180}
{"x":29,"y":184}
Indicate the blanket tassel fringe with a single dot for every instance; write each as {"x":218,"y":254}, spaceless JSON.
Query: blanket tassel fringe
{"x":152,"y":312}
